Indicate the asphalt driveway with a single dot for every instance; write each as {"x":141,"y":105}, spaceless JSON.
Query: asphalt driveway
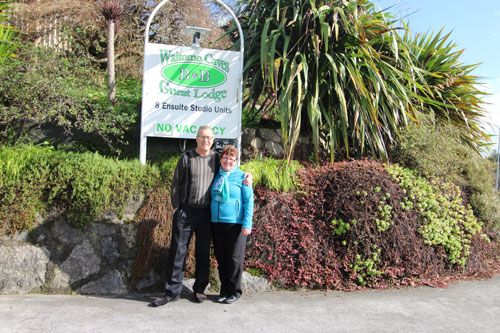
{"x":470,"y":306}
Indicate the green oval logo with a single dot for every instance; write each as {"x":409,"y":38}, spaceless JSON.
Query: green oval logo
{"x":193,"y":75}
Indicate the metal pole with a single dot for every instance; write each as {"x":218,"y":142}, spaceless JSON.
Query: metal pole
{"x":498,"y":158}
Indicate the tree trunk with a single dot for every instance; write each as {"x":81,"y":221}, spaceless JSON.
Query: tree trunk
{"x":111,"y":62}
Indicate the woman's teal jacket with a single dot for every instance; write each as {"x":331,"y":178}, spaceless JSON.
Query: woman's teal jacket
{"x":239,"y":207}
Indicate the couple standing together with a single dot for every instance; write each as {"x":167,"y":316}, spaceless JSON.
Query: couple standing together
{"x":210,"y":196}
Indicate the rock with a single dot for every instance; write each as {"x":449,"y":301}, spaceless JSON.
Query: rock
{"x":249,"y":283}
{"x":20,"y":236}
{"x":256,"y":143}
{"x":268,"y":134}
{"x":252,"y":284}
{"x":187,"y":287}
{"x":65,"y":234}
{"x":109,"y":215}
{"x":110,"y":284}
{"x":153,"y":279}
{"x":81,"y":263}
{"x":275,"y":149}
{"x":129,"y":234}
{"x":134,"y":204}
{"x":304,"y":140}
{"x":247,"y":136}
{"x":103,"y":229}
{"x":22,"y":267}
{"x":109,"y":249}
{"x":58,"y":281}
{"x":96,"y":259}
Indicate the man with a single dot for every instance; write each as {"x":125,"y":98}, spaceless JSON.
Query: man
{"x":190,"y":197}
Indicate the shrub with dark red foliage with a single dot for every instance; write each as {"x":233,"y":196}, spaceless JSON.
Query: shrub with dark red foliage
{"x":296,"y":244}
{"x":288,"y":246}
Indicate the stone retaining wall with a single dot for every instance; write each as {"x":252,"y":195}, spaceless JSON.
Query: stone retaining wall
{"x":56,"y":258}
{"x":266,"y":142}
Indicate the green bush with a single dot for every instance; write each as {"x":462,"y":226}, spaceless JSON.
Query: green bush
{"x":272,"y":174}
{"x":65,"y":94}
{"x":83,"y":186}
{"x":446,"y":221}
{"x":436,"y":152}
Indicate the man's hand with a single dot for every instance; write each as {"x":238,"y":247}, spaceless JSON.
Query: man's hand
{"x":248,"y":179}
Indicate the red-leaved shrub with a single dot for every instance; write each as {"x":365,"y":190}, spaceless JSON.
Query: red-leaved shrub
{"x":295,"y":243}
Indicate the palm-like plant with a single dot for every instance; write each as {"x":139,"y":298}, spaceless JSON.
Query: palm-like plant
{"x":446,"y":87}
{"x":339,"y":64}
{"x":111,"y":10}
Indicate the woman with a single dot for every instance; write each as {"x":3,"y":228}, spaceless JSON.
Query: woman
{"x":232,"y":211}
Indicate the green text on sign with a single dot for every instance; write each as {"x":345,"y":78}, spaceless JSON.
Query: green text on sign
{"x":194,"y":75}
{"x":184,"y":129}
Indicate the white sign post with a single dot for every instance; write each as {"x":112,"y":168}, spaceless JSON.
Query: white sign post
{"x":185,"y":88}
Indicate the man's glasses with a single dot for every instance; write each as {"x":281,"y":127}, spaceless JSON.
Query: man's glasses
{"x":206,"y":137}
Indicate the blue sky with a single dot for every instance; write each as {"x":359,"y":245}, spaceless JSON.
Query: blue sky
{"x":475,"y":27}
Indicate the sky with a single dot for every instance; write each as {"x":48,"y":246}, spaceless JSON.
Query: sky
{"x":475,"y":27}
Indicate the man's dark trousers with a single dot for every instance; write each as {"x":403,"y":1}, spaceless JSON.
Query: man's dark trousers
{"x":186,"y":221}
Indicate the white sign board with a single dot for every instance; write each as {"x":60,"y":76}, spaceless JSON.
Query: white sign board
{"x":188,"y":87}
{"x":185,"y":88}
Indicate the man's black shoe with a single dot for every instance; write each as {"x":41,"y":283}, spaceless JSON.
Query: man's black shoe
{"x":230,"y":299}
{"x":163,"y":300}
{"x":200,"y":297}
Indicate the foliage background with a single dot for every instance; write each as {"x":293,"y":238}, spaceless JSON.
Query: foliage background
{"x":49,"y":96}
{"x":332,"y":70}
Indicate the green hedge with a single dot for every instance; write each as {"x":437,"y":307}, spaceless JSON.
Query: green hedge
{"x":36,"y":179}
{"x":435,"y":151}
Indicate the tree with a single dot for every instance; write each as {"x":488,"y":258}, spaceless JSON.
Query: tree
{"x":111,"y":10}
{"x":77,"y":21}
{"x":340,"y":69}
{"x":46,"y":97}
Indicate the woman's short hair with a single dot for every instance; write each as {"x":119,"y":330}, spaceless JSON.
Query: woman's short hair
{"x":229,"y":150}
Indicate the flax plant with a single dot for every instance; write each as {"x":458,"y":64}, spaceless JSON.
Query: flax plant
{"x":452,"y":93}
{"x":340,"y":69}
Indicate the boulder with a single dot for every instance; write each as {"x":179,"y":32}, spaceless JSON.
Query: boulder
{"x":81,"y":263}
{"x":268,"y":134}
{"x":22,"y":267}
{"x":110,"y":284}
{"x":252,"y":284}
{"x":275,"y":149}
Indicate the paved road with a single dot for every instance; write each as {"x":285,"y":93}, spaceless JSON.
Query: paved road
{"x":462,"y":307}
